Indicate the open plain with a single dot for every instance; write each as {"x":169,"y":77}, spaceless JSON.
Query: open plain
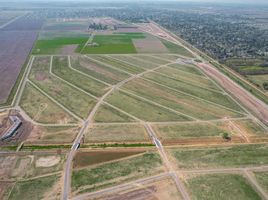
{"x":123,"y":110}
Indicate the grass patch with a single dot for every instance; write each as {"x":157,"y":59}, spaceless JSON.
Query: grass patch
{"x":116,"y":133}
{"x":262,"y":178}
{"x":141,"y":109}
{"x":155,"y":60}
{"x":41,"y":109}
{"x":33,"y":189}
{"x":186,"y":130}
{"x":61,"y":69}
{"x":105,"y":145}
{"x":174,"y":48}
{"x":52,"y":135}
{"x":221,"y":187}
{"x":178,"y":101}
{"x":259,"y":80}
{"x":108,"y":114}
{"x":74,"y":100}
{"x":113,"y":44}
{"x":120,"y":65}
{"x":233,"y":156}
{"x":116,"y":172}
{"x":135,"y":61}
{"x":195,"y":90}
{"x":51,"y":46}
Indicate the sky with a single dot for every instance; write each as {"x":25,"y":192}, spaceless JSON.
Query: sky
{"x":213,"y":1}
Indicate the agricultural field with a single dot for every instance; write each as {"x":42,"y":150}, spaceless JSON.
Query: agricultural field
{"x":220,"y":186}
{"x":117,"y":134}
{"x":260,"y":80}
{"x":85,"y":159}
{"x":115,"y":110}
{"x":262,"y":178}
{"x":52,"y":135}
{"x":219,"y":157}
{"x":41,"y":188}
{"x":92,"y":178}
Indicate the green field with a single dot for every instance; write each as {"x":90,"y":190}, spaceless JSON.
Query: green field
{"x":113,"y":44}
{"x":97,"y":70}
{"x":51,"y":46}
{"x":117,"y":134}
{"x":262,"y":178}
{"x":189,"y":130}
{"x":174,"y":48}
{"x":233,"y":156}
{"x":35,"y":189}
{"x":129,"y":68}
{"x":74,"y":100}
{"x":94,"y":178}
{"x":135,"y":61}
{"x":61,"y":69}
{"x":141,"y":109}
{"x":187,"y":68}
{"x":108,"y":114}
{"x":180,"y":102}
{"x":259,"y":80}
{"x":41,"y":109}
{"x":221,"y":187}
{"x":148,"y":58}
{"x":181,"y":86}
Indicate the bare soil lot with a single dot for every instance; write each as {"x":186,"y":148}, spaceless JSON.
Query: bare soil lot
{"x":83,"y":159}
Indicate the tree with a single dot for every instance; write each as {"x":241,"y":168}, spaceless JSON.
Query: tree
{"x":226,"y":136}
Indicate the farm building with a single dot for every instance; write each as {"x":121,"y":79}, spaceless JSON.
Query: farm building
{"x":11,"y":131}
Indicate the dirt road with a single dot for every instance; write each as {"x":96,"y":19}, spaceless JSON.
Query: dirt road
{"x":257,"y":107}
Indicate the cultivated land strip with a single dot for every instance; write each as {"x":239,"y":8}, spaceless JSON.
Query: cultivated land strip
{"x":195,"y":97}
{"x":55,"y":101}
{"x":70,"y":66}
{"x":159,"y":105}
{"x":68,"y":83}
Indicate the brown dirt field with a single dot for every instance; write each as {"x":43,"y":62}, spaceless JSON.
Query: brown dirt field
{"x":47,"y":161}
{"x":149,"y":45}
{"x":164,"y":189}
{"x":6,"y":165}
{"x":4,"y":189}
{"x":247,"y":99}
{"x":83,"y":159}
